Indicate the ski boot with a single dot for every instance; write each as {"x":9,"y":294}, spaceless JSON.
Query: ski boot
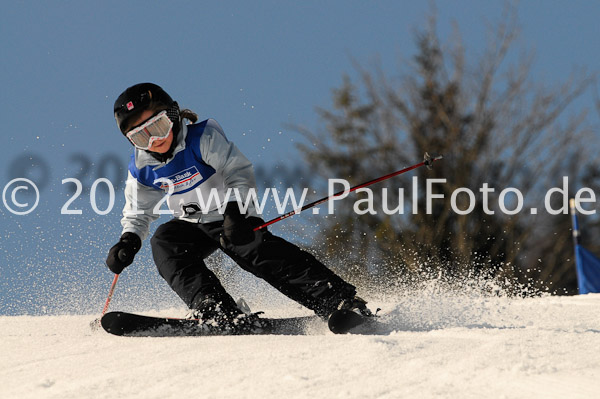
{"x":350,"y":314}
{"x":357,"y":305}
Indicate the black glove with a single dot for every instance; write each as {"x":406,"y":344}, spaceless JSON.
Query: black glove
{"x":122,"y":253}
{"x":237,"y":229}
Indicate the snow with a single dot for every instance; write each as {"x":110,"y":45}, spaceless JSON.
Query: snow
{"x":438,"y":345}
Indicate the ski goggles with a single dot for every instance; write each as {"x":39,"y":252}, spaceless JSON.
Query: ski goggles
{"x":155,"y":128}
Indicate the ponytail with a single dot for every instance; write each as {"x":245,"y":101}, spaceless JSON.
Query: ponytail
{"x":188,"y":114}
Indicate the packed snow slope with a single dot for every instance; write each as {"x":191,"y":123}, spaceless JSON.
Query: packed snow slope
{"x":437,"y":345}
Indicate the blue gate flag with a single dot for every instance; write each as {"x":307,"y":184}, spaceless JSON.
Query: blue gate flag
{"x":588,"y":270}
{"x":587,"y":264}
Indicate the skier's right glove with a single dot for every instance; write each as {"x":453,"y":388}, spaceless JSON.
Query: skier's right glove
{"x":122,"y":253}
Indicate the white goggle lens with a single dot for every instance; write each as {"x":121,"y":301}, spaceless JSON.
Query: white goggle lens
{"x":156,"y":128}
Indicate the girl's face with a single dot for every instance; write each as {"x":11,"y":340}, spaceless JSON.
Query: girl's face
{"x":162,"y":145}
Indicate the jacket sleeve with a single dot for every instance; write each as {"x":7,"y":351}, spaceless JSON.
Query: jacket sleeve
{"x":227,"y":159}
{"x":140,"y":201}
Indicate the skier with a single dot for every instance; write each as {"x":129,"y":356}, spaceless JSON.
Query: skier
{"x":190,"y":161}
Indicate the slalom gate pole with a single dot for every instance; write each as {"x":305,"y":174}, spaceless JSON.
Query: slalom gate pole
{"x":427,"y":161}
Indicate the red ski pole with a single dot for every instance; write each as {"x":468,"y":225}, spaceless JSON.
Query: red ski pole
{"x":427,"y":161}
{"x":96,"y":323}
{"x":110,"y":294}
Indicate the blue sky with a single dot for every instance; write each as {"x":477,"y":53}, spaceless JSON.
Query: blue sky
{"x":256,"y":67}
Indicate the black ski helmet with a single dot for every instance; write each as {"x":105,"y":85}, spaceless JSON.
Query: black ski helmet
{"x":140,"y":97}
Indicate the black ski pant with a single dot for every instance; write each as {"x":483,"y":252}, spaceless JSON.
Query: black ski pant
{"x":179,"y":249}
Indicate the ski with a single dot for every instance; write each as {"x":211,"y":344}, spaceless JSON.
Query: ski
{"x":130,"y":324}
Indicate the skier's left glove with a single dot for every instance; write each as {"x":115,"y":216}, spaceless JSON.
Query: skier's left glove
{"x":122,"y":253}
{"x":237,"y":229}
